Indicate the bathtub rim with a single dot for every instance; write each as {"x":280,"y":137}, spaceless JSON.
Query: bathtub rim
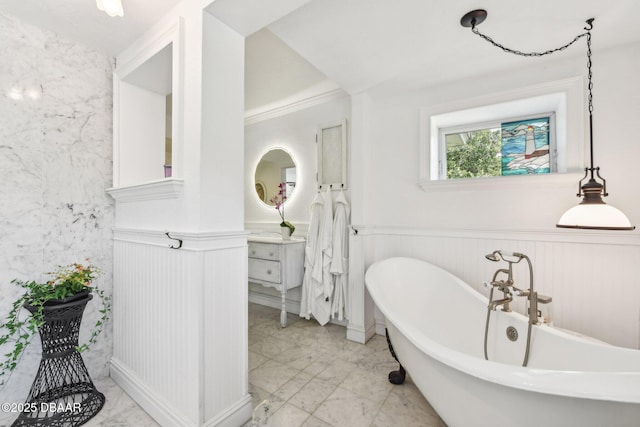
{"x":597,"y":385}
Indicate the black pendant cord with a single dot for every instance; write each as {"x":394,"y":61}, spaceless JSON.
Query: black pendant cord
{"x":590,"y":89}
{"x":474,"y":29}
{"x":472,"y":19}
{"x":591,"y":170}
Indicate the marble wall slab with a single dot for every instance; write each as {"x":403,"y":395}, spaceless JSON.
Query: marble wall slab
{"x":55,"y":164}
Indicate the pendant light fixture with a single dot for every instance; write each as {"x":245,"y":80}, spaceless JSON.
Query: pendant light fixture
{"x":111,"y":7}
{"x":592,"y":212}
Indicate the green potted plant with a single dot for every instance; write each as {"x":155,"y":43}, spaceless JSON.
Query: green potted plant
{"x":68,"y":283}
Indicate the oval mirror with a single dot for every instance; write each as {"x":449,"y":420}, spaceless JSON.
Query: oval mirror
{"x":274,"y":167}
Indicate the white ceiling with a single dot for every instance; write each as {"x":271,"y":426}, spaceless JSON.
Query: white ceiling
{"x":363,"y":43}
{"x":360,"y":44}
{"x":273,"y":71}
{"x":82,"y":21}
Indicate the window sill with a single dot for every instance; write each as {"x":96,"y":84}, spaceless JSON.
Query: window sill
{"x":517,"y":182}
{"x":167,"y":188}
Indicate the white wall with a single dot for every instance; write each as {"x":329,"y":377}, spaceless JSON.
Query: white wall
{"x":395,"y":137}
{"x":55,"y":162}
{"x":296,"y":133}
{"x":142,"y":134}
{"x":190,"y":382}
{"x":222,"y":126}
{"x":403,"y":218}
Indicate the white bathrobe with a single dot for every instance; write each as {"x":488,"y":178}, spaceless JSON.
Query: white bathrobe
{"x":327,"y":245}
{"x":340,"y":258}
{"x":312,"y":257}
{"x":322,"y":276}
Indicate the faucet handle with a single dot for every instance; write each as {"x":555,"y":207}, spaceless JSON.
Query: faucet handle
{"x":493,"y":284}
{"x":521,"y":292}
{"x":544,"y":299}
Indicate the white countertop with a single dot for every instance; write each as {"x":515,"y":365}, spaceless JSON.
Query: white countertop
{"x":273,"y":238}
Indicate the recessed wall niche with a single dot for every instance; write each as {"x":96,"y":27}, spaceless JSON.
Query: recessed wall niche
{"x":145,"y":114}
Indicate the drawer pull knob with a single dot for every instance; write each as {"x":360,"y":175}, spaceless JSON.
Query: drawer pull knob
{"x":270,"y":253}
{"x":269,"y":271}
{"x":253,"y":252}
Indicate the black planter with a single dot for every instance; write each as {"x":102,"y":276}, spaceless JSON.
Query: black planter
{"x":62,"y":393}
{"x":85,"y":294}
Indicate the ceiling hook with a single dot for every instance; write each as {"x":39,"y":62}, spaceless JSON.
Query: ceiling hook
{"x":589,"y":26}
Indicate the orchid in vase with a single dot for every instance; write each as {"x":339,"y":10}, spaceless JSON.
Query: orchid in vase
{"x":278,"y":200}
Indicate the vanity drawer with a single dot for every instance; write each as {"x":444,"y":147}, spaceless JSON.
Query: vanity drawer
{"x":262,"y":269}
{"x":264,"y":251}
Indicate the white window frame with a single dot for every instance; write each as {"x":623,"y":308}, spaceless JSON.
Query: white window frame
{"x":495,"y":124}
{"x":565,"y":98}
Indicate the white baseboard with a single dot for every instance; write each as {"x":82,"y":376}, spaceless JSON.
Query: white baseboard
{"x":274,"y":302}
{"x":237,"y":415}
{"x":162,"y":411}
{"x":361,"y":335}
{"x":380,"y":327}
{"x":293,"y":306}
{"x":158,"y":408}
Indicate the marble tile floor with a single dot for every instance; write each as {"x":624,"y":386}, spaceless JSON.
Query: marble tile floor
{"x":311,"y":376}
{"x":119,"y":409}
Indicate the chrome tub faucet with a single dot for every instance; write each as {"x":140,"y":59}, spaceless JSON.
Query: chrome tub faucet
{"x":509,"y":290}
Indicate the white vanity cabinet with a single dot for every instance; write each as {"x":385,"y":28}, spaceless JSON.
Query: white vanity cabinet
{"x":278,"y":264}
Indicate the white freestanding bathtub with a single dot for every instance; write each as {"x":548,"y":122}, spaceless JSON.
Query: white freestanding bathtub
{"x":436,"y":325}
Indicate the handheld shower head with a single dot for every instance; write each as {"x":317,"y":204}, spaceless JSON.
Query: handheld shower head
{"x":500,"y":255}
{"x":513,"y":254}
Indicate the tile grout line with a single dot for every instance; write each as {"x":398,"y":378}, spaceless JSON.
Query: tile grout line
{"x":325,"y":399}
{"x":380,"y":407}
{"x":340,"y":356}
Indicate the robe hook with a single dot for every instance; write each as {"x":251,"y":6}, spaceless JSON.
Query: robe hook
{"x":173,"y":238}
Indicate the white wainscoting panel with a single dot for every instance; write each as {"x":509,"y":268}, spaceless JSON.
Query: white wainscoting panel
{"x":225,"y":323}
{"x":155,"y":312}
{"x":594,"y":279}
{"x":180,"y":325}
{"x":361,"y":325}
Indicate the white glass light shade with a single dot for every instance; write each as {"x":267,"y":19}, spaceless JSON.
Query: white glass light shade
{"x":111,"y":7}
{"x":595,"y":217}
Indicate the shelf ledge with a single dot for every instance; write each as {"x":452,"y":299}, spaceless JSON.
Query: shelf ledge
{"x":166,"y":188}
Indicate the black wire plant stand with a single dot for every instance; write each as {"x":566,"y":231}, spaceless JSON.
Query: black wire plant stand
{"x":62,"y":393}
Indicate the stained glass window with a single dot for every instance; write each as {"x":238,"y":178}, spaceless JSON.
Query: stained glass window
{"x":514,"y":147}
{"x":525,"y":147}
